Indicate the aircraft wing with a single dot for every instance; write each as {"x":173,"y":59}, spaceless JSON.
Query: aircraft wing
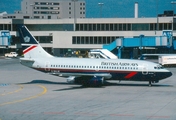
{"x":104,"y":75}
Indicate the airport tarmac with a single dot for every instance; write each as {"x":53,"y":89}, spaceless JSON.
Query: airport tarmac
{"x":27,"y":94}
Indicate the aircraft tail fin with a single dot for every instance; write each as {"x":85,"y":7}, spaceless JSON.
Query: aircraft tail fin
{"x":31,"y":47}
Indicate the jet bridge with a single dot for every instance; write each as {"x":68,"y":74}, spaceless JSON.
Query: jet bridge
{"x":5,"y":38}
{"x":102,"y":53}
{"x":142,"y":41}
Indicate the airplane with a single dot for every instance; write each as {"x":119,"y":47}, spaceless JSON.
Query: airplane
{"x":87,"y":71}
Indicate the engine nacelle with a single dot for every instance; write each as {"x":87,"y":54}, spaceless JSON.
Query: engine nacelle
{"x":96,"y":81}
{"x":86,"y":81}
{"x":71,"y":79}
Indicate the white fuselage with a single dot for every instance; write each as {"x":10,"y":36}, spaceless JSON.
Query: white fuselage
{"x":120,"y":69}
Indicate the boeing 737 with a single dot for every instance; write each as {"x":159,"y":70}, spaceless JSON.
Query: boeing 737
{"x":87,"y":71}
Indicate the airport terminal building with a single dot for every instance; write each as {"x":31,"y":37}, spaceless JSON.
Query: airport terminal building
{"x":64,"y":35}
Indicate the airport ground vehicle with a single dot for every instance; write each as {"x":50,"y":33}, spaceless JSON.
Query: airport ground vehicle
{"x":167,"y":60}
{"x":11,"y":54}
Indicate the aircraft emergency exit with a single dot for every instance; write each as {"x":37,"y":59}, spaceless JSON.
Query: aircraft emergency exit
{"x":87,"y":71}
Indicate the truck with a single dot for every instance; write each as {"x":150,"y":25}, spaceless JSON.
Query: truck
{"x":11,"y":54}
{"x":167,"y":60}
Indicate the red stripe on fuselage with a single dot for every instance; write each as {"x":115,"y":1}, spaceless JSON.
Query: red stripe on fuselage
{"x":29,"y":48}
{"x":130,"y":75}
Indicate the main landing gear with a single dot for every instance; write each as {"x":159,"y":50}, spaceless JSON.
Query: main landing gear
{"x":150,"y":83}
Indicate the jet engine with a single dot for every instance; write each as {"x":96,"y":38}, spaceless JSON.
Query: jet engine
{"x":96,"y":81}
{"x":87,"y":81}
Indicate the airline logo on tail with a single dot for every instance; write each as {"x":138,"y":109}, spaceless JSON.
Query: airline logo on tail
{"x":26,"y":36}
{"x":30,"y":46}
{"x":26,"y":39}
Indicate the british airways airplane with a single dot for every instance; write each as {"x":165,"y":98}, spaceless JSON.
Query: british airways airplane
{"x":87,"y":71}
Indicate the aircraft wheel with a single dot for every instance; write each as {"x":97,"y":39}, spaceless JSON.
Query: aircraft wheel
{"x":150,"y":83}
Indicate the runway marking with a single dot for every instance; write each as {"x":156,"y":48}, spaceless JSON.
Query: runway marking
{"x":126,"y":115}
{"x":54,"y":113}
{"x":21,"y":112}
{"x":29,"y":98}
{"x":158,"y":116}
{"x":87,"y":114}
{"x":21,"y":87}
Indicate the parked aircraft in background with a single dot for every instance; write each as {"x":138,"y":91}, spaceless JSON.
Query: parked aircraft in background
{"x":86,"y":71}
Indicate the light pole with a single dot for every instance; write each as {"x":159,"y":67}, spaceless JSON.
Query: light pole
{"x":100,"y":4}
{"x":32,"y":6}
{"x":157,"y":25}
{"x":74,"y":14}
{"x":173,"y":2}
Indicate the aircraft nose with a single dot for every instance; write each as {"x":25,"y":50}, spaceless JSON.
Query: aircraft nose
{"x":163,"y":75}
{"x":166,"y":74}
{"x":169,"y":74}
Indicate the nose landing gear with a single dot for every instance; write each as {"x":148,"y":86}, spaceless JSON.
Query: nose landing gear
{"x":150,"y":82}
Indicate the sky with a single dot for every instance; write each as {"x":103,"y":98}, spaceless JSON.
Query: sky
{"x":110,"y":8}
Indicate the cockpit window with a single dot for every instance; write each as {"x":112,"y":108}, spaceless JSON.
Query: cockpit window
{"x":158,"y":67}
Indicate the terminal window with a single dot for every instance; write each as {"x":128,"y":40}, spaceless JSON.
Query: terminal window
{"x":93,"y":39}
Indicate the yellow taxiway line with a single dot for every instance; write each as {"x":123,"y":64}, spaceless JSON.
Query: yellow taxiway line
{"x":29,"y":98}
{"x":21,"y":87}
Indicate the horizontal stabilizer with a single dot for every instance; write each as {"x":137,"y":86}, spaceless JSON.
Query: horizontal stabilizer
{"x":26,"y":59}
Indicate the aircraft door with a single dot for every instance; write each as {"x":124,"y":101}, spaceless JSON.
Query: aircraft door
{"x":47,"y":66}
{"x":145,"y":69}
